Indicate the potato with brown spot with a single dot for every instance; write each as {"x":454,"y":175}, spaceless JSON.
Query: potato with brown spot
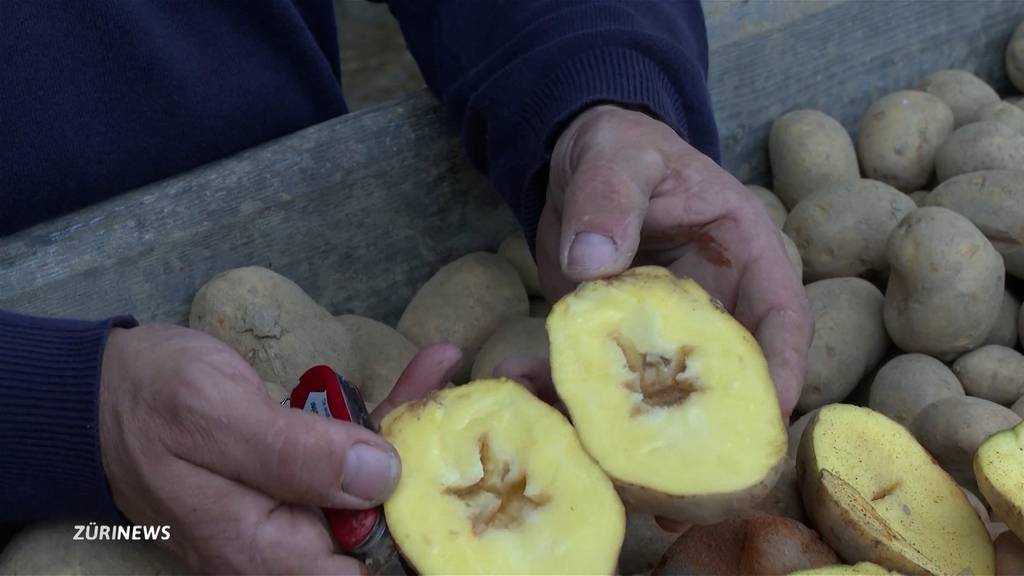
{"x":899,"y":136}
{"x":962,"y":91}
{"x":849,"y":339}
{"x":272,"y":323}
{"x":992,"y":372}
{"x":761,"y":544}
{"x":994,"y":201}
{"x":908,"y":384}
{"x":842,"y":229}
{"x":945,"y":284}
{"x":808,"y":150}
{"x":984,"y":145}
{"x":953,"y":428}
{"x":463,"y":304}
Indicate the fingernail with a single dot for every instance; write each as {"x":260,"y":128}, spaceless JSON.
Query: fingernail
{"x":591,"y":253}
{"x":370,"y":473}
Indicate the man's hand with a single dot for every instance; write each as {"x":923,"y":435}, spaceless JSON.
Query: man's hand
{"x":624,"y":189}
{"x":190,"y":438}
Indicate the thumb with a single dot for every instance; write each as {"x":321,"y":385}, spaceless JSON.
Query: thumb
{"x":612,"y":172}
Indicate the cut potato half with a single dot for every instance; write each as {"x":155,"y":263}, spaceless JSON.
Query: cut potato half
{"x":495,"y":481}
{"x":999,"y":470}
{"x":843,"y":570}
{"x":669,"y":393}
{"x":876,"y":495}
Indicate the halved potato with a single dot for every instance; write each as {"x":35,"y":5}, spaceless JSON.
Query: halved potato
{"x":999,"y":470}
{"x":495,"y":481}
{"x":876,"y":495}
{"x":843,"y":570}
{"x":669,"y":393}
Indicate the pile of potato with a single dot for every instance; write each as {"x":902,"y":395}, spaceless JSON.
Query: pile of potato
{"x":910,"y":240}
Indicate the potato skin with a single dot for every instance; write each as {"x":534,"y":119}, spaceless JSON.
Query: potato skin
{"x":841,"y":230}
{"x":1004,"y":113}
{"x":994,"y":201}
{"x":953,"y":428}
{"x":899,"y":135}
{"x":945,"y":284}
{"x":517,"y":252}
{"x":849,"y":339}
{"x":1015,"y":58}
{"x":919,"y":196}
{"x":1004,"y":332}
{"x":992,"y":372}
{"x":808,"y":149}
{"x":383,"y":353}
{"x":909,"y":383}
{"x":963,"y":92}
{"x":984,"y":145}
{"x":776,"y":209}
{"x":272,"y":323}
{"x":463,"y":304}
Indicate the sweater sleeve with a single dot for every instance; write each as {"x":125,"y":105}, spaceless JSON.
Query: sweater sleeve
{"x":513,"y":73}
{"x":50,"y":462}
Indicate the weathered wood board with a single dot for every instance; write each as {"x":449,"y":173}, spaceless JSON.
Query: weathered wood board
{"x":361,"y":210}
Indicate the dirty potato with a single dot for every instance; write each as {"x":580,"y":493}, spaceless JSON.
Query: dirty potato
{"x":984,"y":145}
{"x":962,"y":91}
{"x":809,"y":149}
{"x":992,"y":372}
{"x":909,"y":383}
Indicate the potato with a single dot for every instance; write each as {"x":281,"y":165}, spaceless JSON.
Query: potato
{"x":953,"y":428}
{"x":1020,"y":325}
{"x":50,"y":547}
{"x":384,"y":353}
{"x":992,"y":372}
{"x":517,"y":252}
{"x":963,"y":92}
{"x":495,"y":481}
{"x":519,"y":336}
{"x":463,"y":304}
{"x":644,"y":545}
{"x":984,"y":145}
{"x":994,"y":201}
{"x":899,"y":136}
{"x":1004,"y":113}
{"x":844,"y":570}
{"x":776,"y":209}
{"x":908,"y":384}
{"x":1009,"y":555}
{"x":647,"y":366}
{"x":784,"y":499}
{"x":978,"y":505}
{"x":919,"y":196}
{"x":1004,"y":332}
{"x":849,"y":339}
{"x":998,"y":465}
{"x":841,"y":230}
{"x":794,"y":256}
{"x":945,"y":284}
{"x":1015,"y":58}
{"x":274,"y":325}
{"x":809,"y":149}
{"x":876,"y":495}
{"x":1018,"y":407}
{"x":762,"y":545}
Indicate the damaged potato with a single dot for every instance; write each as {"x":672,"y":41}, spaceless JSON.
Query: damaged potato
{"x":669,"y":393}
{"x":998,"y":468}
{"x":876,"y":495}
{"x":495,"y":481}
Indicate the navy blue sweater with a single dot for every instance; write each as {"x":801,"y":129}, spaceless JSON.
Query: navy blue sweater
{"x":100,"y":97}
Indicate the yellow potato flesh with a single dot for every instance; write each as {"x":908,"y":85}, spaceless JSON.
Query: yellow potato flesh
{"x":999,"y":469}
{"x":725,"y":436}
{"x":888,"y":484}
{"x":843,"y":570}
{"x":560,"y":514}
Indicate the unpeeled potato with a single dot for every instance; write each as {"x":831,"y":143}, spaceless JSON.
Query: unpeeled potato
{"x":984,"y":145}
{"x":992,"y":372}
{"x":962,"y":91}
{"x":517,"y":252}
{"x":1015,"y":58}
{"x":907,"y":384}
{"x":1004,"y":332}
{"x":809,"y":149}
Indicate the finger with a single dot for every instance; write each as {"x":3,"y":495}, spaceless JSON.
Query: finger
{"x":533,"y":372}
{"x":231,"y":528}
{"x":785,"y":337}
{"x":430,"y":369}
{"x":672,"y":525}
{"x":553,"y":281}
{"x":289,"y":454}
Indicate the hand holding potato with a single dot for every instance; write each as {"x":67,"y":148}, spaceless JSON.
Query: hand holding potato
{"x":191,"y":439}
{"x":624,"y":189}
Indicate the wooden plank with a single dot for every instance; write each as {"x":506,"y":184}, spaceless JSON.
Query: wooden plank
{"x":358,"y":211}
{"x":838,"y":56}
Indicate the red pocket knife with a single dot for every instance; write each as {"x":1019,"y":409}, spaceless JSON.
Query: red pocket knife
{"x":359,"y":533}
